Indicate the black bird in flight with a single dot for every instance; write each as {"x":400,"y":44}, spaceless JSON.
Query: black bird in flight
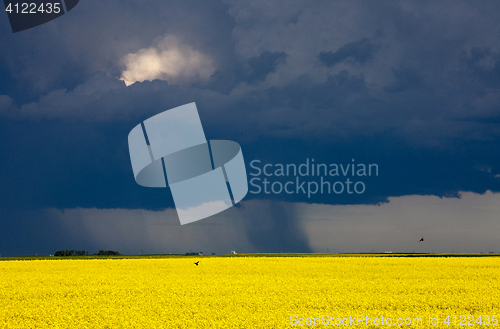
{"x":421,"y":240}
{"x":197,"y":263}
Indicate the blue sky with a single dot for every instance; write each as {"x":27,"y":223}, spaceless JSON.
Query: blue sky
{"x":411,"y":86}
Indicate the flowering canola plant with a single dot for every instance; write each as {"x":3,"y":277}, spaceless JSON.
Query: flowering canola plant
{"x":246,"y":292}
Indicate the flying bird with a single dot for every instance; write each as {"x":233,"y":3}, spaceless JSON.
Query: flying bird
{"x":421,"y":240}
{"x":197,"y":263}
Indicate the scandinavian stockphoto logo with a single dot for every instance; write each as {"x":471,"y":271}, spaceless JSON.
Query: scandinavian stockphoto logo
{"x":205,"y":177}
{"x":24,"y":15}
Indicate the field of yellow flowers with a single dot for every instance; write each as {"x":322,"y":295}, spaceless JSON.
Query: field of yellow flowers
{"x":250,"y":292}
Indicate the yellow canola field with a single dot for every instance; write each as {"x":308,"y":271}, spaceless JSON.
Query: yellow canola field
{"x":248,"y":292}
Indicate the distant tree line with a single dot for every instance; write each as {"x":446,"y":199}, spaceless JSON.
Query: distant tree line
{"x":107,"y":253}
{"x":85,"y":253}
{"x":71,"y":253}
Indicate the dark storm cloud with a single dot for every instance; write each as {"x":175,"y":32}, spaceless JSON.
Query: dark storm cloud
{"x":261,"y":66}
{"x":357,"y":52}
{"x":413,"y":87}
{"x":252,"y":71}
{"x":95,"y":37}
{"x":483,"y":65}
{"x":80,"y":149}
{"x":406,"y":78}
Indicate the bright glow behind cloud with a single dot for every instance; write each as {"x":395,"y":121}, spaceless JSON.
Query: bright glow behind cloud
{"x":169,"y":60}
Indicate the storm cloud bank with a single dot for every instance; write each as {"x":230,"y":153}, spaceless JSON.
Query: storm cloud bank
{"x":411,"y":86}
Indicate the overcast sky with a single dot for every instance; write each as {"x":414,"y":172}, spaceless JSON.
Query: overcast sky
{"x":412,"y":86}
